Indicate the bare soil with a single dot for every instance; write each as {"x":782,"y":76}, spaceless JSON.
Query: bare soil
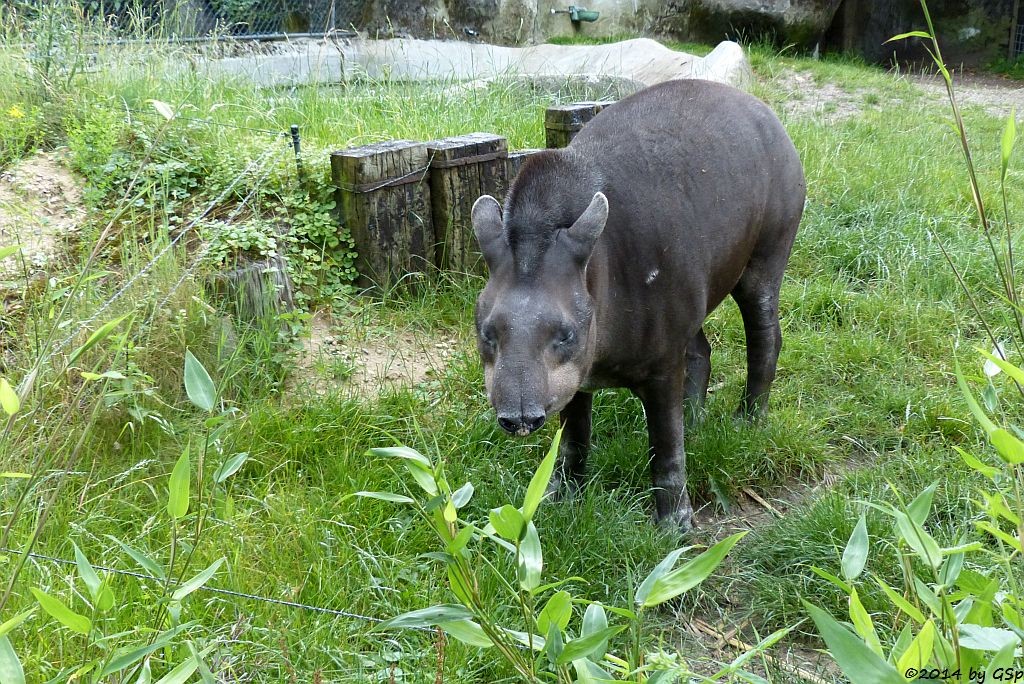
{"x":41,"y":210}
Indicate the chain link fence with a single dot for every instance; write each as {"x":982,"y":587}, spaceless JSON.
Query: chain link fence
{"x":185,"y":19}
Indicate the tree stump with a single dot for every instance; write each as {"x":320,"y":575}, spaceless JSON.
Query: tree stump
{"x":512,"y":164}
{"x":462,"y":169}
{"x":562,"y":123}
{"x":255,"y":290}
{"x":384,"y":197}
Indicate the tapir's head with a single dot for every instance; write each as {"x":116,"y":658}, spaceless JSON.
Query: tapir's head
{"x":535,"y":318}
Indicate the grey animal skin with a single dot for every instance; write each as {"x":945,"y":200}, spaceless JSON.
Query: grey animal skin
{"x":610,"y":254}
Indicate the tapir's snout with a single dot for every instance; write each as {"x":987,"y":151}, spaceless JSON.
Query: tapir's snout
{"x":520,"y":426}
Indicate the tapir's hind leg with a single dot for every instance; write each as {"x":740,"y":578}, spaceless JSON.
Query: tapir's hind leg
{"x":698,"y":373}
{"x":757,"y":295}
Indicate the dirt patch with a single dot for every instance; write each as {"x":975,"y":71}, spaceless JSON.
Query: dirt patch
{"x":40,"y":209}
{"x":806,"y":97}
{"x":368,"y":358}
{"x":998,"y":96}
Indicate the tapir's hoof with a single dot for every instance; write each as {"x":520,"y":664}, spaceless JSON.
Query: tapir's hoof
{"x":680,"y":521}
{"x":561,"y":488}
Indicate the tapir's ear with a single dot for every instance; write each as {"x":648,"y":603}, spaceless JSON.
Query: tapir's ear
{"x":589,"y":225}
{"x":487,"y":225}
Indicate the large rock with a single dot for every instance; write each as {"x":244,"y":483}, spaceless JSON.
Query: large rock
{"x":798,"y":22}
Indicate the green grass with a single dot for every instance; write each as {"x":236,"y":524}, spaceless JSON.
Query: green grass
{"x":871,"y":314}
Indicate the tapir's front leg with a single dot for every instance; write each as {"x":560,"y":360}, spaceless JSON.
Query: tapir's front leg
{"x":663,"y":404}
{"x":574,"y":448}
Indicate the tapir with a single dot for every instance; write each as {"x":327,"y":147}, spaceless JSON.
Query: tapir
{"x":609,"y":255}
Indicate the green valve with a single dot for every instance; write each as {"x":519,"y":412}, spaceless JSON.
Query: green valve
{"x":578,"y":14}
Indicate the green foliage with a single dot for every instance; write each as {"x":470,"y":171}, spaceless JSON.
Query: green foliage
{"x":556,"y":650}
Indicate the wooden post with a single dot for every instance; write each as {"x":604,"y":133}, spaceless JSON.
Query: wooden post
{"x":561,"y":124}
{"x":461,"y":169}
{"x":385,"y":202}
{"x":512,"y":164}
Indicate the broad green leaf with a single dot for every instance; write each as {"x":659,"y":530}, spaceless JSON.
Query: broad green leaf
{"x":385,"y":496}
{"x":863,"y":624}
{"x":589,"y":672}
{"x":8,"y":398}
{"x":144,"y":561}
{"x":900,"y":602}
{"x":586,"y":646}
{"x":8,"y":251}
{"x":557,"y":611}
{"x":423,"y":475}
{"x":178,"y":486}
{"x":691,"y":573}
{"x":126,"y":657}
{"x":1014,"y":372}
{"x":183,"y":672}
{"x":530,"y":560}
{"x":928,"y":597}
{"x":666,"y":564}
{"x":988,"y":471}
{"x":986,"y":638}
{"x":60,"y":612}
{"x":11,"y":671}
{"x":760,"y":647}
{"x":8,"y":625}
{"x":1013,"y":541}
{"x":553,"y":645}
{"x":1002,"y":661}
{"x":826,"y":575}
{"x":1009,"y":136}
{"x":979,"y":415}
{"x":462,"y":495}
{"x":1009,"y":447}
{"x":858,"y":662}
{"x":535,"y":640}
{"x":951,"y":568}
{"x":402,"y":452}
{"x":102,"y":333}
{"x":595,"y":620}
{"x":468,"y":632}
{"x":230,"y":467}
{"x":920,"y":650}
{"x":87,"y":573}
{"x":856,"y":553}
{"x":508,"y":522}
{"x":922,"y":504}
{"x":108,"y":375}
{"x":165,"y":110}
{"x":923,"y":544}
{"x":204,"y":670}
{"x":910,"y":34}
{"x":460,"y":540}
{"x":540,"y":480}
{"x":106,"y":600}
{"x":15,"y":476}
{"x":198,"y":383}
{"x":428,"y":617}
{"x":197,"y":581}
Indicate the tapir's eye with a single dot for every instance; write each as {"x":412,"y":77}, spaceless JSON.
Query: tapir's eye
{"x":566,"y":337}
{"x":488,"y":338}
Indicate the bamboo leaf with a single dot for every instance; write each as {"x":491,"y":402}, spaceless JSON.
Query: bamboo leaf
{"x":428,"y":617}
{"x":468,"y":632}
{"x":178,"y":486}
{"x":920,"y":650}
{"x":539,"y":481}
{"x":910,"y":34}
{"x":557,"y":611}
{"x":8,"y":398}
{"x":385,"y":496}
{"x":530,"y":559}
{"x":1007,"y":446}
{"x":11,"y":671}
{"x":8,"y":625}
{"x":102,"y":333}
{"x":196,"y":582}
{"x":979,"y":415}
{"x":858,"y":662}
{"x":585,"y":646}
{"x":856,"y":553}
{"x":8,"y":251}
{"x":691,"y":573}
{"x":230,"y":467}
{"x":60,"y":612}
{"x":144,"y":561}
{"x":666,"y":564}
{"x":863,"y":624}
{"x":901,"y":603}
{"x":198,"y":384}
{"x":87,"y":573}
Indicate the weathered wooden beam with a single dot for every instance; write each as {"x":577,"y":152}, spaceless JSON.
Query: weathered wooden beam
{"x":384,"y":195}
{"x":463,"y":168}
{"x":562,"y":123}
